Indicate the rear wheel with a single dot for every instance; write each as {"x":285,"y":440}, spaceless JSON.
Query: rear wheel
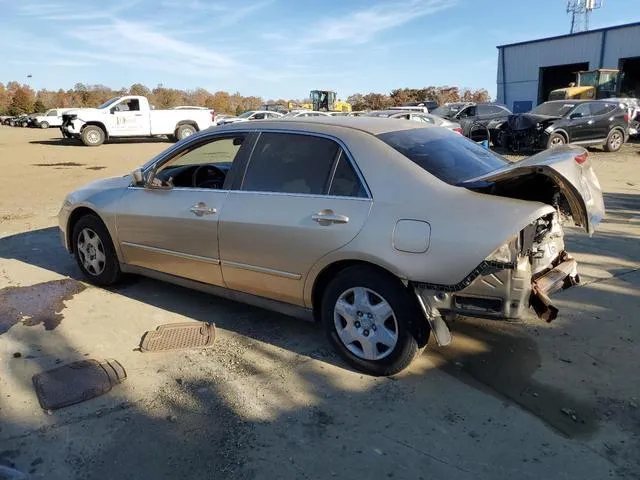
{"x":614,"y":141}
{"x":370,"y":319}
{"x":184,"y":131}
{"x":556,"y":140}
{"x":44,"y":125}
{"x":94,"y":251}
{"x":92,"y":136}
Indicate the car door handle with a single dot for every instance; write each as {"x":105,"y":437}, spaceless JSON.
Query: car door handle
{"x":200,"y":209}
{"x":328,"y":217}
{"x":138,"y":114}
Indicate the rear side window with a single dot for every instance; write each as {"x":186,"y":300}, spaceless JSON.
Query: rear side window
{"x":345,"y":182}
{"x":601,"y":108}
{"x":446,"y":155}
{"x":290,"y":163}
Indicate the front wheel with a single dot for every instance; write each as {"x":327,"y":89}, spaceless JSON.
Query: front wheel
{"x":556,"y":140}
{"x":94,"y":251}
{"x":614,"y":141}
{"x":44,"y":125}
{"x":370,"y":319}
{"x":92,"y":136}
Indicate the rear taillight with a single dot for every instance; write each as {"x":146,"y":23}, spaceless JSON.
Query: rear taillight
{"x":626,"y":118}
{"x":458,"y":130}
{"x":580,"y":159}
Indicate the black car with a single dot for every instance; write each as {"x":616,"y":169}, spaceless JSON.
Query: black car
{"x":476,"y":119}
{"x":583,"y":122}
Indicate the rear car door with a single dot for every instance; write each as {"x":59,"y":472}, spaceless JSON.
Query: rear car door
{"x":580,"y":123}
{"x":301,"y":197}
{"x":175,"y":230}
{"x":601,"y":114}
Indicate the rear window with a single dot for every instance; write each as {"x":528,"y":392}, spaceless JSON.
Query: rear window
{"x":446,"y":155}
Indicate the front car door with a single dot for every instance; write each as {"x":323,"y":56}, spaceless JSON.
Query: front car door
{"x":128,"y":120}
{"x":301,"y":197}
{"x":174,"y":229}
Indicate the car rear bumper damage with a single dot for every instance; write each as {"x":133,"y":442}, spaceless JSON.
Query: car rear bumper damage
{"x":499,"y":292}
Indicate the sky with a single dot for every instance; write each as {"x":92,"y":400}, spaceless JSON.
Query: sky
{"x":274,"y":48}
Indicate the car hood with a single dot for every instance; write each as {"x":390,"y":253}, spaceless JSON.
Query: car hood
{"x":80,"y":111}
{"x":525,"y":121}
{"x":568,"y":168}
{"x":93,"y":191}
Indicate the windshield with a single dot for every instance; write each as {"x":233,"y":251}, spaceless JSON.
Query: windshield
{"x":588,"y":79}
{"x":446,"y":155}
{"x":553,"y":109}
{"x":448,"y":110}
{"x":109,"y":102}
{"x":246,"y":114}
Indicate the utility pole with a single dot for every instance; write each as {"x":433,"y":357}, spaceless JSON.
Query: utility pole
{"x":580,"y":11}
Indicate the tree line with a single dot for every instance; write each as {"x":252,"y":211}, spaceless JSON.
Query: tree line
{"x":16,"y":98}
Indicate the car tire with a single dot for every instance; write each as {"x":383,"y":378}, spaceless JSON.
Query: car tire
{"x":24,"y":124}
{"x":614,"y":141}
{"x":93,"y":136}
{"x":94,"y":251}
{"x":44,"y":125}
{"x":184,"y":131}
{"x":556,"y":140}
{"x":361,"y":290}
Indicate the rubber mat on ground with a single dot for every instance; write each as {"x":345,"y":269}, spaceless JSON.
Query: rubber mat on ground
{"x":174,"y":336}
{"x":77,"y":382}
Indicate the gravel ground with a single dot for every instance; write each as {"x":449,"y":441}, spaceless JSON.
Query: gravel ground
{"x":271,"y":400}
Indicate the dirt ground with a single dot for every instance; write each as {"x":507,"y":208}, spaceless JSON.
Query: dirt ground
{"x":271,"y":400}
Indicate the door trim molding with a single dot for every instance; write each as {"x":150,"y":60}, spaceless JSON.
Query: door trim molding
{"x":268,"y":271}
{"x":173,"y":253}
{"x":288,"y":309}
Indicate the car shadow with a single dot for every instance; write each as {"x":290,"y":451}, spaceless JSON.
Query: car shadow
{"x":496,"y":357}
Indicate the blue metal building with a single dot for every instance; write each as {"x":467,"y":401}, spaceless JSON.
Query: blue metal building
{"x":528,"y":71}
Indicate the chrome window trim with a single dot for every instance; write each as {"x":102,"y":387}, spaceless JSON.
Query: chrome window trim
{"x":305,"y":195}
{"x":340,"y":143}
{"x":173,"y":253}
{"x":255,"y":268}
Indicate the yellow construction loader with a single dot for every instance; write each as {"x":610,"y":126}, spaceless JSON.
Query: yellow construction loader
{"x":592,"y":84}
{"x":325,"y":101}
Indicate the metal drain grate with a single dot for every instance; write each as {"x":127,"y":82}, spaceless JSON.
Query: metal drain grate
{"x":175,"y":336}
{"x":76,"y":382}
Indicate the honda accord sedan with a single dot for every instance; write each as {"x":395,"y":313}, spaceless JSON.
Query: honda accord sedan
{"x":377,"y":228}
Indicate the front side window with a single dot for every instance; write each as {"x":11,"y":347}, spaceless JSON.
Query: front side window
{"x":290,"y":163}
{"x":203,"y":165}
{"x":52,"y":113}
{"x":582,"y":110}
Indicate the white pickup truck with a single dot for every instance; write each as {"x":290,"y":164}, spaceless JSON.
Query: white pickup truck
{"x":131,"y":116}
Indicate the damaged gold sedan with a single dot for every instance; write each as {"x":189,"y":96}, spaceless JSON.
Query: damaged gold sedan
{"x":376,"y":228}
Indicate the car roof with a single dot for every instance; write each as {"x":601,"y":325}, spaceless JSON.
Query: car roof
{"x":570,"y":101}
{"x":327,"y":124}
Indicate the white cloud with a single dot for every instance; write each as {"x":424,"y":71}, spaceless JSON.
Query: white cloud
{"x":363,"y":25}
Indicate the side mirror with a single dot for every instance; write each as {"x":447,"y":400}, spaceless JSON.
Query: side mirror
{"x":575,"y":115}
{"x":113,"y":110}
{"x":138,"y":177}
